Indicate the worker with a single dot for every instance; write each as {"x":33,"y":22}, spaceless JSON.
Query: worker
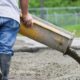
{"x":9,"y":27}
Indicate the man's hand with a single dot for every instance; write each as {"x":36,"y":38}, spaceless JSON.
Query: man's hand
{"x":26,"y":17}
{"x":27,"y":20}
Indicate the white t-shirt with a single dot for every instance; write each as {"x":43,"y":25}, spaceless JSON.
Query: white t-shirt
{"x":10,"y":9}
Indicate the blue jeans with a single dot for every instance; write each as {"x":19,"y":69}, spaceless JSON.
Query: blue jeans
{"x":8,"y":32}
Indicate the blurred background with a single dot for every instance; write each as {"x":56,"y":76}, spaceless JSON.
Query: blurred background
{"x":63,"y":13}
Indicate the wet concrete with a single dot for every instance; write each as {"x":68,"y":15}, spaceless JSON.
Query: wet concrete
{"x":44,"y":64}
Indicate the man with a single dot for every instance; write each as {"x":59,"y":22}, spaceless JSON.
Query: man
{"x":9,"y":27}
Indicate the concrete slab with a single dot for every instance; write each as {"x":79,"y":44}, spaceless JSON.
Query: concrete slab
{"x":76,"y":43}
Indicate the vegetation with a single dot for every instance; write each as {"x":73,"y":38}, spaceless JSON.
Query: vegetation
{"x":75,"y":29}
{"x":53,"y":3}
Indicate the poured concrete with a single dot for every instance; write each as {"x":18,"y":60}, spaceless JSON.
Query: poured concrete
{"x":45,"y":64}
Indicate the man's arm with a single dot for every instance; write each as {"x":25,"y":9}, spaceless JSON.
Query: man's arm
{"x":24,"y":7}
{"x":26,"y":18}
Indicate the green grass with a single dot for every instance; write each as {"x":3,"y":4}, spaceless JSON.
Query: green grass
{"x":75,"y":29}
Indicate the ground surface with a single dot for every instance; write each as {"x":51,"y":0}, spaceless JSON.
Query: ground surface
{"x":45,"y":64}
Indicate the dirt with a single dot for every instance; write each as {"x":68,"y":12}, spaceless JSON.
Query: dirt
{"x":45,"y":64}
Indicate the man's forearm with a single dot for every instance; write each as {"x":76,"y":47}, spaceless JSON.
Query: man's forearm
{"x":24,"y":7}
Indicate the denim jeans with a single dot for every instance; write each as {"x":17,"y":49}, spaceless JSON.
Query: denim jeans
{"x":8,"y":32}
